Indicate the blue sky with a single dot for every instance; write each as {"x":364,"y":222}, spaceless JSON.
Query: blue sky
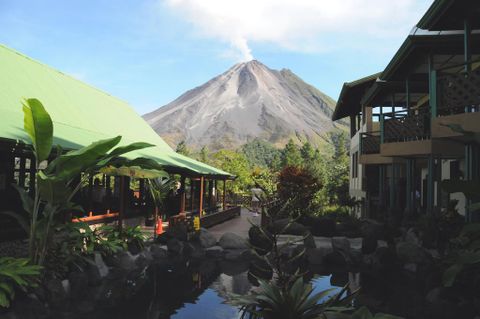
{"x":148,"y":52}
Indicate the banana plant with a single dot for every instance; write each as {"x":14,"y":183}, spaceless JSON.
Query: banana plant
{"x":61,"y":179}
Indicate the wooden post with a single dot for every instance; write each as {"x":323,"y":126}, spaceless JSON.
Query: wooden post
{"x":210,"y":193}
{"x":155,"y":221}
{"x":200,"y":208}
{"x":182,"y":194}
{"x":192,"y":194}
{"x":121,"y":211}
{"x":224,"y":194}
{"x":90,"y":192}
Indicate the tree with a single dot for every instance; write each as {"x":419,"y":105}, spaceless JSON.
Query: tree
{"x":260,"y":153}
{"x":182,"y":148}
{"x":307,"y":152}
{"x":204,"y":155}
{"x":338,"y":186}
{"x":291,"y":155}
{"x":237,"y":164}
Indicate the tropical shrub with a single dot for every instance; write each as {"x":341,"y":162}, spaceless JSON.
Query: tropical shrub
{"x":60,"y":180}
{"x":297,"y":187}
{"x":16,"y":273}
{"x":127,"y":237}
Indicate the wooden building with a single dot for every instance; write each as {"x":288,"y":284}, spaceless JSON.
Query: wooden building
{"x":403,"y":144}
{"x":81,"y":115}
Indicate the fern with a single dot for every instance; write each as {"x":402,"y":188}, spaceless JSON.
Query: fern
{"x":16,"y":273}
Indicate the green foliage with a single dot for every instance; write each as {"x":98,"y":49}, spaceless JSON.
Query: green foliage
{"x":261,"y":153}
{"x":204,"y":153}
{"x":182,"y":148}
{"x":237,"y":164}
{"x":266,"y":179}
{"x":127,"y":236}
{"x":39,"y":127}
{"x":338,"y":174}
{"x":308,"y":153}
{"x":296,"y":302}
{"x":16,"y":273}
{"x":464,"y":254}
{"x":59,"y":181}
{"x":291,"y":155}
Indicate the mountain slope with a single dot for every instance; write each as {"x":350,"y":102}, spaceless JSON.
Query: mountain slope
{"x":247,"y":101}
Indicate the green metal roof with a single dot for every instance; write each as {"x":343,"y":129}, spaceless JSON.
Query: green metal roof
{"x":350,"y":96}
{"x":451,"y":15}
{"x":81,"y":113}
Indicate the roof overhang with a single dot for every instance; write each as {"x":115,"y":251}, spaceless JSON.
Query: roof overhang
{"x":412,"y":58}
{"x":451,"y":15}
{"x":383,"y":93}
{"x":350,"y":96}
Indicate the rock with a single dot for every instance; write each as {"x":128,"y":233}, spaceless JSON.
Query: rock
{"x":412,"y":237}
{"x":27,"y":307}
{"x":236,"y":254}
{"x":124,"y":261}
{"x":188,"y":249}
{"x":207,"y":240}
{"x":232,"y":241}
{"x":335,"y":259}
{"x":141,"y":261}
{"x":372,"y":228}
{"x":440,"y":304}
{"x":134,"y":248}
{"x":158,"y":252}
{"x":323,"y":227}
{"x":369,"y":244}
{"x":57,"y":295}
{"x":315,"y":256}
{"x":214,"y":252}
{"x":309,"y":241}
{"x":341,"y":244}
{"x":280,"y":227}
{"x":384,"y":258}
{"x":259,"y":240}
{"x":198,"y":252}
{"x":410,"y":267}
{"x":100,"y":264}
{"x":78,"y":285}
{"x":175,"y":246}
{"x":178,"y":231}
{"x":411,"y":253}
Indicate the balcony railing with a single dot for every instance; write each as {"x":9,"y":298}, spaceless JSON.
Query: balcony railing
{"x":406,"y":125}
{"x":458,"y":91}
{"x":370,"y":143}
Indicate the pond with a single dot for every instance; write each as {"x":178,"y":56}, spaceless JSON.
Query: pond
{"x":191,"y":292}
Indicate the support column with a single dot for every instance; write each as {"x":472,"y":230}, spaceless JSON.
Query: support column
{"x":410,"y":189}
{"x":432,"y":87}
{"x":466,"y":42}
{"x":192,"y":194}
{"x":430,"y":184}
{"x":472,"y":158}
{"x":200,"y":208}
{"x":381,"y":188}
{"x":392,"y":186}
{"x":224,"y":194}
{"x":182,"y":194}
{"x":123,"y":193}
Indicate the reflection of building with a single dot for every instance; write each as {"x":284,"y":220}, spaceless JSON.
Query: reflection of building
{"x":83,"y":114}
{"x":236,"y":284}
{"x":402,"y":147}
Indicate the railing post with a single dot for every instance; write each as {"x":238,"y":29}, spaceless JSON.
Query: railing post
{"x":466,"y":45}
{"x":382,"y":128}
{"x":432,"y":87}
{"x":430,"y":184}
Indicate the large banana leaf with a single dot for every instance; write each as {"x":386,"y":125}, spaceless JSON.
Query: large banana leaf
{"x":123,"y":150}
{"x":71,"y":164}
{"x":39,"y":127}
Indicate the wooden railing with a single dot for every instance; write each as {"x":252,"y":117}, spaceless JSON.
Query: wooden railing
{"x":458,"y":92}
{"x":406,"y":125}
{"x":370,"y":143}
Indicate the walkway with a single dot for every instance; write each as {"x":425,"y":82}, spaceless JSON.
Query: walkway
{"x":238,"y":225}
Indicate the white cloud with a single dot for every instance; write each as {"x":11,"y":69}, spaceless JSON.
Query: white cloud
{"x":298,"y":25}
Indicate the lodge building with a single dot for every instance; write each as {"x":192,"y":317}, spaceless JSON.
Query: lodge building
{"x":81,"y":115}
{"x":407,"y":123}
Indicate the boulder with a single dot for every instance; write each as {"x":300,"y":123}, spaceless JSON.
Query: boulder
{"x":315,"y":256}
{"x":124,"y":261}
{"x":409,"y":253}
{"x":369,"y":245}
{"x":323,"y":227}
{"x":384,"y":258}
{"x":412,"y":237}
{"x":78,"y":285}
{"x":372,"y":228}
{"x":158,"y":251}
{"x":309,"y":241}
{"x":341,"y":244}
{"x":214,"y":252}
{"x":175,"y":246}
{"x":57,"y":295}
{"x":280,"y":227}
{"x":101,"y":266}
{"x":236,"y":254}
{"x":232,"y":241}
{"x":206,"y":239}
{"x":259,"y":240}
{"x":335,"y":259}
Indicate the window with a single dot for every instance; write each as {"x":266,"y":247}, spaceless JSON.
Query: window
{"x":355,"y":165}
